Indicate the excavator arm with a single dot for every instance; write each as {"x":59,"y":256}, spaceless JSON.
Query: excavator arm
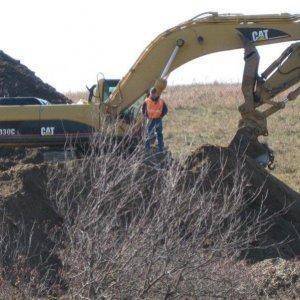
{"x":204,"y":34}
{"x":282,"y":74}
{"x":209,"y":33}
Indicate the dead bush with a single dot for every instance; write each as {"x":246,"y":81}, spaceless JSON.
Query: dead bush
{"x":145,"y":231}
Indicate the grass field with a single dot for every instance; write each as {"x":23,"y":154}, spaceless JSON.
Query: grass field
{"x":207,"y":114}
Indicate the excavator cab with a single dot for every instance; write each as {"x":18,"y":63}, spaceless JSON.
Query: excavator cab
{"x":100,"y":92}
{"x":109,"y":86}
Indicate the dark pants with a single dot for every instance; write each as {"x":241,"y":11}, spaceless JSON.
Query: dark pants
{"x":155,"y":126}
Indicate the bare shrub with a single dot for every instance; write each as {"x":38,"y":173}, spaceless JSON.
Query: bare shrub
{"x":137,"y":230}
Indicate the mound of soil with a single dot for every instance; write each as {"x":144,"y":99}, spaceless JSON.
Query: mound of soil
{"x":16,"y":80}
{"x":31,"y":223}
{"x":276,"y":199}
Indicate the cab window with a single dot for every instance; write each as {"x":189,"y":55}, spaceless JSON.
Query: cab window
{"x":109,"y":86}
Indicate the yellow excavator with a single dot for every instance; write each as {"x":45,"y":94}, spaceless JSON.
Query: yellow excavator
{"x":113,"y":105}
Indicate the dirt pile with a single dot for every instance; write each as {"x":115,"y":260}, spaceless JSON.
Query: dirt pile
{"x":278,"y":201}
{"x":30,"y":223}
{"x":16,"y":80}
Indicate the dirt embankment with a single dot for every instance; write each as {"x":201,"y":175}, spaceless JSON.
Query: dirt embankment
{"x":16,"y":80}
{"x":30,"y":223}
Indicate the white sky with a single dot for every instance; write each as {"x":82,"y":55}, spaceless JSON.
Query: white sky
{"x":68,"y":42}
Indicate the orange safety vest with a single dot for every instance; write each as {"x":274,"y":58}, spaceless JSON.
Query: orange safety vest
{"x":154,"y":108}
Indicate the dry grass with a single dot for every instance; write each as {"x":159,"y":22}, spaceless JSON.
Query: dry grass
{"x":201,"y":114}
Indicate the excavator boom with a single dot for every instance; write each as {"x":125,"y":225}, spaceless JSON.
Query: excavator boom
{"x":283,"y":74}
{"x":111,"y":106}
{"x":204,"y":34}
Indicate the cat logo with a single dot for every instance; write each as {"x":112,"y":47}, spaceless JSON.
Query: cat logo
{"x":47,"y":131}
{"x":261,"y":35}
{"x":256,"y":34}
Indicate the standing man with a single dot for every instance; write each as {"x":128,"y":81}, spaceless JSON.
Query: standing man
{"x":154,"y":109}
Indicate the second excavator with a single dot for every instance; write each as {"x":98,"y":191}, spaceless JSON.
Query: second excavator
{"x":113,"y":105}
